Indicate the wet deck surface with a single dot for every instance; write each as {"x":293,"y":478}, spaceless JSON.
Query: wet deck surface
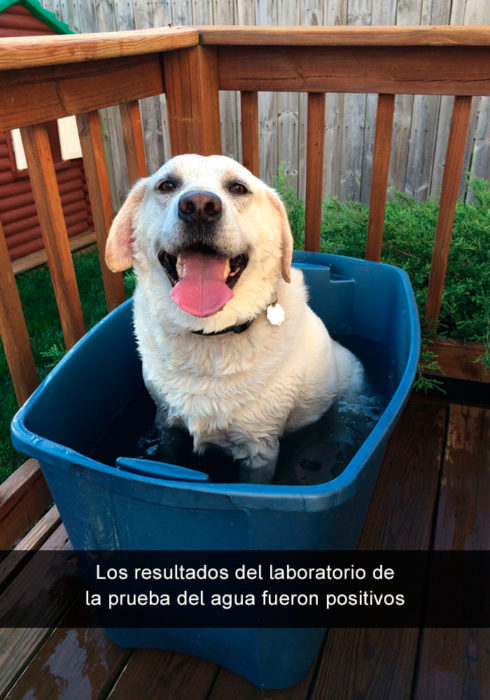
{"x":432,"y":492}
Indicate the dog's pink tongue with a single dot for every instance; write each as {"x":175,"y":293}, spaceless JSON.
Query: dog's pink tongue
{"x":201,"y":289}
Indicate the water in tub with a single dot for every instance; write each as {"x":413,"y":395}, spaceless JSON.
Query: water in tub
{"x":312,"y":455}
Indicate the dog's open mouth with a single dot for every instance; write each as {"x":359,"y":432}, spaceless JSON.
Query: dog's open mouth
{"x":202,"y":279}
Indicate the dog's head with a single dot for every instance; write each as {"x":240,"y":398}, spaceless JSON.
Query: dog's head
{"x":208,"y":239}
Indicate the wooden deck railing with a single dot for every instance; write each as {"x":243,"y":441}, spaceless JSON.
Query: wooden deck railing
{"x":45,"y":78}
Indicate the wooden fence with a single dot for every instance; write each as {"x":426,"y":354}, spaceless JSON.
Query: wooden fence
{"x":421,"y":122}
{"x":46,"y":78}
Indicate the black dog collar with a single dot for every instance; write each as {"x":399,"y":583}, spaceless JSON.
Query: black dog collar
{"x":275,"y":316}
{"x":231,"y":329}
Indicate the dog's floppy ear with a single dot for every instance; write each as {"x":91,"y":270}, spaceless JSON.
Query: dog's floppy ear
{"x":118,"y":255}
{"x":286,"y":236}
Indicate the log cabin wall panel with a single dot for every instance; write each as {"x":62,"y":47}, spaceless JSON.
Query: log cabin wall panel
{"x":17,"y":210}
{"x":18,"y":21}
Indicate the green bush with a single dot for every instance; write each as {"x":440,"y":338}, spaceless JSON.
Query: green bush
{"x":408,"y":240}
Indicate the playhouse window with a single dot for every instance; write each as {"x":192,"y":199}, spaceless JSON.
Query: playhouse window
{"x":63,"y":137}
{"x":68,"y":138}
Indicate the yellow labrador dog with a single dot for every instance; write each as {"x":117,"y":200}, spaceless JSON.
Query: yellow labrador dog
{"x":229,"y":345}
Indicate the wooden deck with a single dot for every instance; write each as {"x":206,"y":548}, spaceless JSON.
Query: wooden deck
{"x":432,"y":492}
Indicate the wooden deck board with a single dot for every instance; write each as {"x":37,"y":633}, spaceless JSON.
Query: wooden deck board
{"x":455,"y":663}
{"x":401,"y":510}
{"x":167,"y":675}
{"x":82,"y":662}
{"x":33,"y":541}
{"x":229,"y":685}
{"x":434,"y":468}
{"x":462,"y":519}
{"x":20,"y":644}
{"x":379,"y":663}
{"x":24,"y":496}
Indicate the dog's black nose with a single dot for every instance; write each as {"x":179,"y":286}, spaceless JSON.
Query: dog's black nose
{"x":200,"y":206}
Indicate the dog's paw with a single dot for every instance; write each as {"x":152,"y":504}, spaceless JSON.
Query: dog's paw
{"x":252,"y":474}
{"x":260,"y":468}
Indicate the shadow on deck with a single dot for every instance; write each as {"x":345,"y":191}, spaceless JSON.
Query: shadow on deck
{"x":432,"y":493}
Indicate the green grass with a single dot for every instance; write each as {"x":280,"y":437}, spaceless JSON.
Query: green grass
{"x":407,"y":243}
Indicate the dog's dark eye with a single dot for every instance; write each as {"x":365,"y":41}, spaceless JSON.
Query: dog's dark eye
{"x":167,"y":186}
{"x":238,"y":188}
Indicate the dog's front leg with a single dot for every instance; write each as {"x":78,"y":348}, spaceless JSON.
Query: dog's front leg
{"x":260,"y":466}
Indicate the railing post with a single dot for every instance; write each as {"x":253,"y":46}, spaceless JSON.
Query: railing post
{"x":100,"y":200}
{"x":314,"y":169}
{"x":379,"y":176}
{"x":13,"y":329}
{"x":250,"y":131}
{"x":134,"y":145}
{"x":191,"y":86}
{"x":48,"y":205}
{"x":447,"y":205}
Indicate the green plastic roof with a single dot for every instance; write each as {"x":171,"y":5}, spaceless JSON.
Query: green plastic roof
{"x":49,"y":19}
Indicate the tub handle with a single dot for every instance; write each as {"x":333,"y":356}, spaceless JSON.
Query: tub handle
{"x":159,"y":470}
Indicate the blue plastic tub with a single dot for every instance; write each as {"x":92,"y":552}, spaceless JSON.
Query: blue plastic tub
{"x":156,"y":506}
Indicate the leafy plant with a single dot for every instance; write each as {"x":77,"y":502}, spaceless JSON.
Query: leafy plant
{"x":53,"y":355}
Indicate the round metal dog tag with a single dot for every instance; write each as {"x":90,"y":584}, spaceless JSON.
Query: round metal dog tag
{"x":275,"y":314}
